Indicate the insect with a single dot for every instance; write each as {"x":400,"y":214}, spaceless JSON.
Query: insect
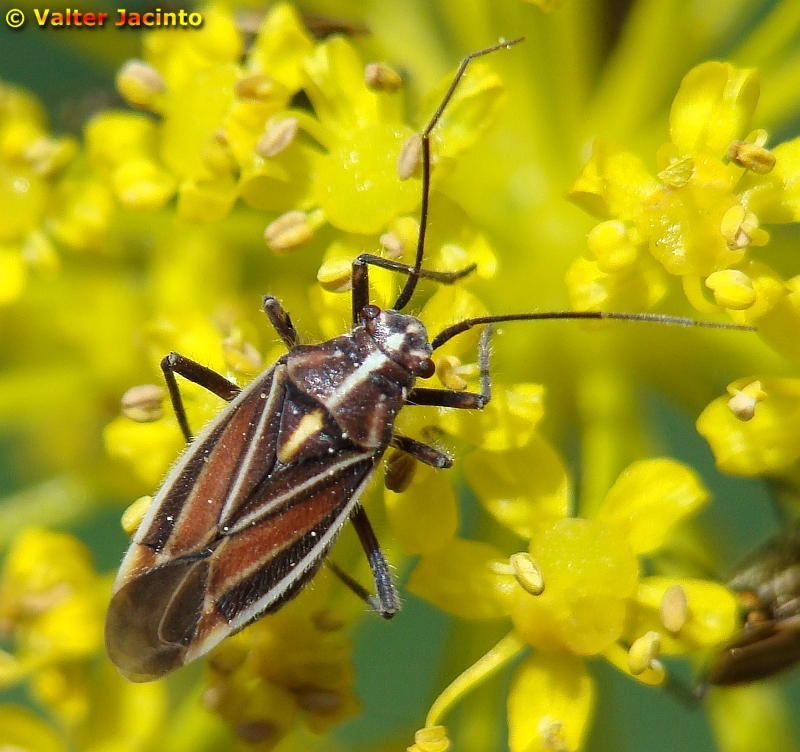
{"x":768,"y":585}
{"x":248,"y":513}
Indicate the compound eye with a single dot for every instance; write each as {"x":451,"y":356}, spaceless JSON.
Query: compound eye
{"x":370,"y":312}
{"x":426,"y":368}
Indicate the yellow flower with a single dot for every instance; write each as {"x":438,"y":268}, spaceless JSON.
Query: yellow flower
{"x":249,"y":127}
{"x":576,"y":591}
{"x":699,"y":217}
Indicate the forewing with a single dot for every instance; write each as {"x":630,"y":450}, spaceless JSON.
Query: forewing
{"x":231,"y":536}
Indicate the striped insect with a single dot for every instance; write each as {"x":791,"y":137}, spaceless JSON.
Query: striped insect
{"x":768,"y":586}
{"x":247,"y":515}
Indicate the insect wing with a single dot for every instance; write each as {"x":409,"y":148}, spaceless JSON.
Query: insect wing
{"x":231,"y":535}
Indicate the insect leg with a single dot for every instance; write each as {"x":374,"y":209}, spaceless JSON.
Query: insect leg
{"x":385,"y":601}
{"x":280,"y":321}
{"x":361,"y":279}
{"x":194,"y":372}
{"x":458,"y":399}
{"x":422,"y":452}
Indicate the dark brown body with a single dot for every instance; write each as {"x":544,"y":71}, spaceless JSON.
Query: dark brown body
{"x":768,"y":584}
{"x":247,"y":514}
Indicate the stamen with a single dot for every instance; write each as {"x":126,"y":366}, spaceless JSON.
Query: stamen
{"x":258,"y":87}
{"x":674,"y":609}
{"x":410,"y":156}
{"x":392,"y":245}
{"x":382,"y":77}
{"x":288,"y":232}
{"x":643,"y":653}
{"x":400,"y":470}
{"x":278,"y":135}
{"x":143,"y":403}
{"x":527,"y":573}
{"x":430,"y":739}
{"x":678,"y":173}
{"x":753,"y":157}
{"x":732,"y":289}
{"x":743,"y":401}
{"x":139,"y":83}
{"x":336,"y":275}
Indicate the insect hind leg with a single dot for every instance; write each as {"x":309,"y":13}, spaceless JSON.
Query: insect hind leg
{"x":385,"y":602}
{"x":197,"y":374}
{"x":360,"y":278}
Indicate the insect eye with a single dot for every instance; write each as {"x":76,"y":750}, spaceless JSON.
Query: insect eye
{"x":427,"y":368}
{"x":370,"y":312}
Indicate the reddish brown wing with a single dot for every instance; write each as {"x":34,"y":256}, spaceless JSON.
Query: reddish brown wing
{"x":234,"y":532}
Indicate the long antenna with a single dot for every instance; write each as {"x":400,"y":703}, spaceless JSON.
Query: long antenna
{"x":653,"y":318}
{"x":411,"y":282}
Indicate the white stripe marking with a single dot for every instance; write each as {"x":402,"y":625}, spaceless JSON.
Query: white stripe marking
{"x":371,"y":363}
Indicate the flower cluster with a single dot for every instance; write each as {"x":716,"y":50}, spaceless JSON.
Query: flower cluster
{"x":700,"y":217}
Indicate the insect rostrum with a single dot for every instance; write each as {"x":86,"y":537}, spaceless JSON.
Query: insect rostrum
{"x":248,"y":513}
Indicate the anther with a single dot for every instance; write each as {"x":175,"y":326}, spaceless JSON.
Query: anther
{"x":410,"y":156}
{"x":753,"y":157}
{"x":392,"y":245}
{"x":643,"y":652}
{"x":47,"y":155}
{"x":448,"y":372}
{"x":139,"y":83}
{"x":674,"y":609}
{"x":740,"y":228}
{"x":257,"y":87}
{"x":678,"y":173}
{"x":431,"y":739}
{"x":143,"y":403}
{"x":132,"y":517}
{"x":239,"y":355}
{"x":336,"y":275}
{"x":732,"y":289}
{"x":400,"y":470}
{"x":743,"y":401}
{"x":277,"y":137}
{"x":288,"y":232}
{"x":527,"y":573}
{"x":382,"y":77}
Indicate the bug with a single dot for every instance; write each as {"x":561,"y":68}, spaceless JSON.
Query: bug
{"x":248,"y":513}
{"x":768,"y":586}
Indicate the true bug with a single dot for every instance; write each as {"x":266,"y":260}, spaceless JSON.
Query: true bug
{"x":768,"y":585}
{"x":246,"y":516}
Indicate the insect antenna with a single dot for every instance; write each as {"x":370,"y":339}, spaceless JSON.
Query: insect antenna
{"x":653,"y":318}
{"x":411,"y":283}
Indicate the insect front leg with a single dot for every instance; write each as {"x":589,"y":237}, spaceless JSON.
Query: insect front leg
{"x":422,"y":452}
{"x":280,"y":321}
{"x":361,"y":278}
{"x":197,"y":374}
{"x":458,"y":399}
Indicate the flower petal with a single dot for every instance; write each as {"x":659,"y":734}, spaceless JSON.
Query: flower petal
{"x":649,"y":498}
{"x":768,"y":443}
{"x":712,"y":108}
{"x":550,"y":703}
{"x":459,"y":579}
{"x":712,"y":618}
{"x":424,"y":516}
{"x":613,"y":182}
{"x":521,"y":487}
